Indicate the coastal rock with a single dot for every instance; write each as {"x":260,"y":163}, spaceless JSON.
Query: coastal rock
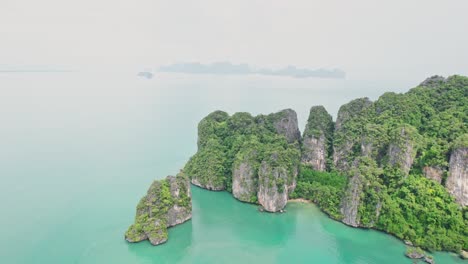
{"x":457,"y":180}
{"x":181,"y":210}
{"x":167,"y":203}
{"x":244,"y":182}
{"x":415,"y":253}
{"x":317,"y":138}
{"x":464,"y":254}
{"x":275,"y":183}
{"x":351,"y":201}
{"x":285,"y":123}
{"x":433,"y":173}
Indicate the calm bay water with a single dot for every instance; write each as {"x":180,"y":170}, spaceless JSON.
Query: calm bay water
{"x":78,"y":150}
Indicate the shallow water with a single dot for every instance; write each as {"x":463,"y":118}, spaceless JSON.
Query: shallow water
{"x":78,"y":150}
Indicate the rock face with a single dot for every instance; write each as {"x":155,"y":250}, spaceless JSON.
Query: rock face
{"x":275,"y":183}
{"x":167,"y":203}
{"x":286,"y":124}
{"x":433,"y":173}
{"x":351,"y":201}
{"x":457,"y":180}
{"x":244,"y":182}
{"x":317,"y":138}
{"x":343,"y":144}
{"x":402,"y":150}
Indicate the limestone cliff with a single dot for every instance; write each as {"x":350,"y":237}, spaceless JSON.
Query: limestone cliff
{"x":275,"y":183}
{"x":245,"y":178}
{"x":457,"y":180}
{"x":351,"y":201}
{"x":346,"y":135}
{"x":402,"y":149}
{"x":167,"y":203}
{"x":317,"y":138}
{"x":285,"y":123}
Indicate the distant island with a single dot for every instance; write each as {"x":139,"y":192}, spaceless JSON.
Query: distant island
{"x":146,"y":74}
{"x":399,"y":164}
{"x":227,"y":68}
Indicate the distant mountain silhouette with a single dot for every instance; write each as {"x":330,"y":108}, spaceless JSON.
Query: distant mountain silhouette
{"x":227,"y":68}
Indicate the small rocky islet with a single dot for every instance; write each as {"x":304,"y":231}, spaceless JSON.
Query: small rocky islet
{"x":399,"y":164}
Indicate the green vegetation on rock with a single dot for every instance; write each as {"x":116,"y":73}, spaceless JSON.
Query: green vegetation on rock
{"x":167,"y":203}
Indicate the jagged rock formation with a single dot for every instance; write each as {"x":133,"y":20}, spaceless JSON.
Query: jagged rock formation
{"x":457,"y":180}
{"x":285,"y":123}
{"x":317,"y":138}
{"x":167,"y":203}
{"x":238,"y":152}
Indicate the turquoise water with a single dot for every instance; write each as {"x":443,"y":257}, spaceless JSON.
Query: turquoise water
{"x":78,"y":150}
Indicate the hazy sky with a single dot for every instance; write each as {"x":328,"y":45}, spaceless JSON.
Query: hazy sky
{"x":369,"y":39}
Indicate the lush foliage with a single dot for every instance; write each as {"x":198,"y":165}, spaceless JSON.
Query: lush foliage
{"x":323,"y":188}
{"x":422,"y":211}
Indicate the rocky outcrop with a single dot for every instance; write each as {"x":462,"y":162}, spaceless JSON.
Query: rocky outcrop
{"x":343,"y":143}
{"x":285,"y":123}
{"x":167,"y":203}
{"x":402,"y":149}
{"x":275,"y":184}
{"x":433,"y":81}
{"x":244,"y":181}
{"x":317,"y":138}
{"x":457,"y":180}
{"x":433,"y":173}
{"x":419,"y":254}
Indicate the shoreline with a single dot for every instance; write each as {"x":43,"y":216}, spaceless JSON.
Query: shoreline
{"x":299,"y":200}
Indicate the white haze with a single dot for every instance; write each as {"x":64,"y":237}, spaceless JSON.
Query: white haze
{"x":370,"y":40}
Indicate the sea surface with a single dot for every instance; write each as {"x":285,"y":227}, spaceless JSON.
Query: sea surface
{"x":79,"y":149}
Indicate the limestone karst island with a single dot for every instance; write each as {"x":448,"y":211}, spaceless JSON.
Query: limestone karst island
{"x":398,"y":164}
